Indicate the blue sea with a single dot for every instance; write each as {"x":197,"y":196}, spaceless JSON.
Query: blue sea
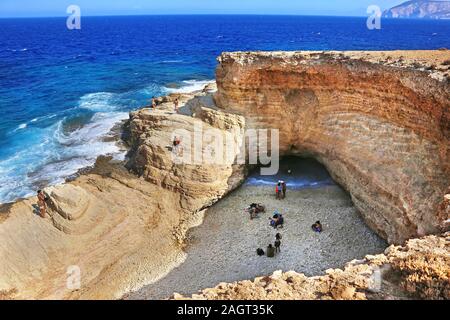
{"x":61,"y":91}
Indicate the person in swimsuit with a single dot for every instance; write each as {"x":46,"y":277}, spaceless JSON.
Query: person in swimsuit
{"x":42,"y":203}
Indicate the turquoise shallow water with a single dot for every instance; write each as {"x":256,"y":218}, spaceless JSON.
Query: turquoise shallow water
{"x":62,"y":91}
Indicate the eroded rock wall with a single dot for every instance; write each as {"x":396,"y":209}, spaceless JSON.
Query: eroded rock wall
{"x":381,"y":127}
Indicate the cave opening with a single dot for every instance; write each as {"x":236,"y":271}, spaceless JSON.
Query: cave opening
{"x":297,"y":172}
{"x":223,"y":247}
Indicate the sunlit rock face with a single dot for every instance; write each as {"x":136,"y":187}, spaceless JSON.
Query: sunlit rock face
{"x":381,"y":130}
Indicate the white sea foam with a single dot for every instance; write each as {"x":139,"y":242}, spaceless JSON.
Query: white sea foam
{"x":99,"y":101}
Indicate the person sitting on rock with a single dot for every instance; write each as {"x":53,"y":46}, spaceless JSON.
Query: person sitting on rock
{"x":175,"y":104}
{"x":270,"y":251}
{"x":317,"y":227}
{"x":153,"y":103}
{"x":260,"y":252}
{"x":258,"y":207}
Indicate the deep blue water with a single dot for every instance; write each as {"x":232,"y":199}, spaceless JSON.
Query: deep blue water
{"x":62,"y":90}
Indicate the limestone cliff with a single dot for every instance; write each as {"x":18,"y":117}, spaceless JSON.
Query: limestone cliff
{"x":380,"y":126}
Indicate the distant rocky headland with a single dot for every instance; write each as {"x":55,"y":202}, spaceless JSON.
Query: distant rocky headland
{"x":378,"y":121}
{"x":420,"y":9}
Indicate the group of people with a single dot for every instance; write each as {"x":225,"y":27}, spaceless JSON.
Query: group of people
{"x":280,"y":190}
{"x":271,"y":249}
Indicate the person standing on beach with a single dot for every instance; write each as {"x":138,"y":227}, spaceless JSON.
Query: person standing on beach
{"x":41,"y":203}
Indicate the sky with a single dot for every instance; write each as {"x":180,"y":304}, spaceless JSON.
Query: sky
{"x":52,"y":8}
